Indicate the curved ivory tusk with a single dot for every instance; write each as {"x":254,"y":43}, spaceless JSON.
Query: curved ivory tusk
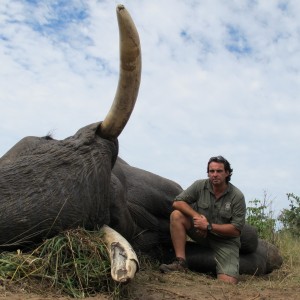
{"x":129,"y":78}
{"x":124,"y":262}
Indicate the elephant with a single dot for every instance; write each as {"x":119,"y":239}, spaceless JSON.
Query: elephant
{"x":48,"y":186}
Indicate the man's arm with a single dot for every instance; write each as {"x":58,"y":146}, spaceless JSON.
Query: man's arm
{"x":221,"y":229}
{"x":226,"y":230}
{"x":187,"y":210}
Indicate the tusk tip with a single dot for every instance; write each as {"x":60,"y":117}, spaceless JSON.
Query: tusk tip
{"x":120,"y":7}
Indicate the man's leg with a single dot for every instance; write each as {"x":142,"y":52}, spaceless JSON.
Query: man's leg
{"x":227,"y":259}
{"x":179,"y":224}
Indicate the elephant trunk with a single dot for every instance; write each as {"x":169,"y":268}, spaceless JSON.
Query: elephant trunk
{"x":129,"y":78}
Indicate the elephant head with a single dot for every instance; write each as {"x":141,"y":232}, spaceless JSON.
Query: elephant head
{"x":48,"y":185}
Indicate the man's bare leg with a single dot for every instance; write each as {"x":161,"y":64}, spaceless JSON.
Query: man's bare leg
{"x":178,"y":227}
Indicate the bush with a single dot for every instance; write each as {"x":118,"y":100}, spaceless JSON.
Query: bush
{"x":260,"y":216}
{"x":290,"y":218}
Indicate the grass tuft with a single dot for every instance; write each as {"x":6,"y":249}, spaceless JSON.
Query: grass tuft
{"x":76,"y":262}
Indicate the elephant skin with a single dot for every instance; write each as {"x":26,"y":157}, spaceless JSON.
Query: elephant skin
{"x":262,"y":261}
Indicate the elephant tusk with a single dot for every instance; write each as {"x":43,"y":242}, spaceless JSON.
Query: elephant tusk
{"x":129,"y":77}
{"x":124,"y":262}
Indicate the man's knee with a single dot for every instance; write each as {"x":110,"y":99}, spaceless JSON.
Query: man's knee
{"x":177,"y":217}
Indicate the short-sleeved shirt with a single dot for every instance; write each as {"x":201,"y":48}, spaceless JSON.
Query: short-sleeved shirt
{"x":230,"y":208}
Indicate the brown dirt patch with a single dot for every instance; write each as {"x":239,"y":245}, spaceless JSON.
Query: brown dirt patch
{"x":152,"y":285}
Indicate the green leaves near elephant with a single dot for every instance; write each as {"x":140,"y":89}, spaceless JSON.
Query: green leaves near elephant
{"x":261,"y":217}
{"x":290,"y":218}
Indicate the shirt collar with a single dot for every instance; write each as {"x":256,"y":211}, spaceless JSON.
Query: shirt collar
{"x":209,"y":186}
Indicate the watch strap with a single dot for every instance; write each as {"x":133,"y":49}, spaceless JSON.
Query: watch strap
{"x":209,"y":227}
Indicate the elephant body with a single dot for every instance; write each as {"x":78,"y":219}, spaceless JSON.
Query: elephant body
{"x":47,"y":186}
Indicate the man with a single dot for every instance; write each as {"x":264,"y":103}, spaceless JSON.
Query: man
{"x":211,"y":212}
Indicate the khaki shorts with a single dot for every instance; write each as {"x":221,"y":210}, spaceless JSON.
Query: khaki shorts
{"x":226,"y":251}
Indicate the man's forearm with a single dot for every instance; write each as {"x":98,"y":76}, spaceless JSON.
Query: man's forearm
{"x":201,"y":221}
{"x":226,"y":230}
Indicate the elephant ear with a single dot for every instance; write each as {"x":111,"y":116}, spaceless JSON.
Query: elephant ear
{"x":129,"y":77}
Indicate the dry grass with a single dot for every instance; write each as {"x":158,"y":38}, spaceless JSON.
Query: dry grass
{"x":280,"y":284}
{"x":289,"y":247}
{"x":76,"y":263}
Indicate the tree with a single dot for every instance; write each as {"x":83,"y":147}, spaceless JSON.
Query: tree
{"x":260,"y":216}
{"x":290,"y":218}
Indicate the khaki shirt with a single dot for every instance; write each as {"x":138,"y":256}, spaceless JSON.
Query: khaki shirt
{"x":229,"y":209}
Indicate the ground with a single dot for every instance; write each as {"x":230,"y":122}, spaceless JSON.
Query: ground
{"x":152,"y":285}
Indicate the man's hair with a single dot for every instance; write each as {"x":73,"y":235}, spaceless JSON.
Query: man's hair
{"x":224,"y":161}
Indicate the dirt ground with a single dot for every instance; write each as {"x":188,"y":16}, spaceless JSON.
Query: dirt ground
{"x":152,"y":285}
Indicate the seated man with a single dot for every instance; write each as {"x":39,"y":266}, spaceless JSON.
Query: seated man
{"x":211,"y":212}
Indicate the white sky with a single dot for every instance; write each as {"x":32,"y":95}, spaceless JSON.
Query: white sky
{"x":219,"y":78}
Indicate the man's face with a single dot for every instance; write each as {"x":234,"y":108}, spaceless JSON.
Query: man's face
{"x":217,"y":173}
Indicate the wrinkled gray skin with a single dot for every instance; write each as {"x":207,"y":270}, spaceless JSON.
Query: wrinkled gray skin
{"x":55,"y":185}
{"x":47,"y":186}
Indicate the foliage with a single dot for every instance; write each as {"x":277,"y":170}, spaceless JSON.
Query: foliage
{"x":260,"y":215}
{"x":75,"y":262}
{"x":290,"y":218}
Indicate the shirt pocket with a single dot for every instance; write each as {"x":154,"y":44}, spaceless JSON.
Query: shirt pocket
{"x":203,"y":208}
{"x":225,"y":216}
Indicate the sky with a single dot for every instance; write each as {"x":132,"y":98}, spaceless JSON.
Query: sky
{"x":218,"y":78}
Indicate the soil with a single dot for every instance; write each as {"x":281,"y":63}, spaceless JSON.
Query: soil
{"x":152,"y":285}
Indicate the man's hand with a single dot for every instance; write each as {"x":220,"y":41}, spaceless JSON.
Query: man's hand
{"x":200,"y":224}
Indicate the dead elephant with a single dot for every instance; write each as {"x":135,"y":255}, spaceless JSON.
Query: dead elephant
{"x":47,"y":185}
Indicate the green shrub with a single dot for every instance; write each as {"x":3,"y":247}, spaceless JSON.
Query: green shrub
{"x":260,"y":216}
{"x":290,"y":218}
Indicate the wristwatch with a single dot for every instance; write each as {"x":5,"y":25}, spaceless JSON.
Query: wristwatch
{"x":209,"y":227}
